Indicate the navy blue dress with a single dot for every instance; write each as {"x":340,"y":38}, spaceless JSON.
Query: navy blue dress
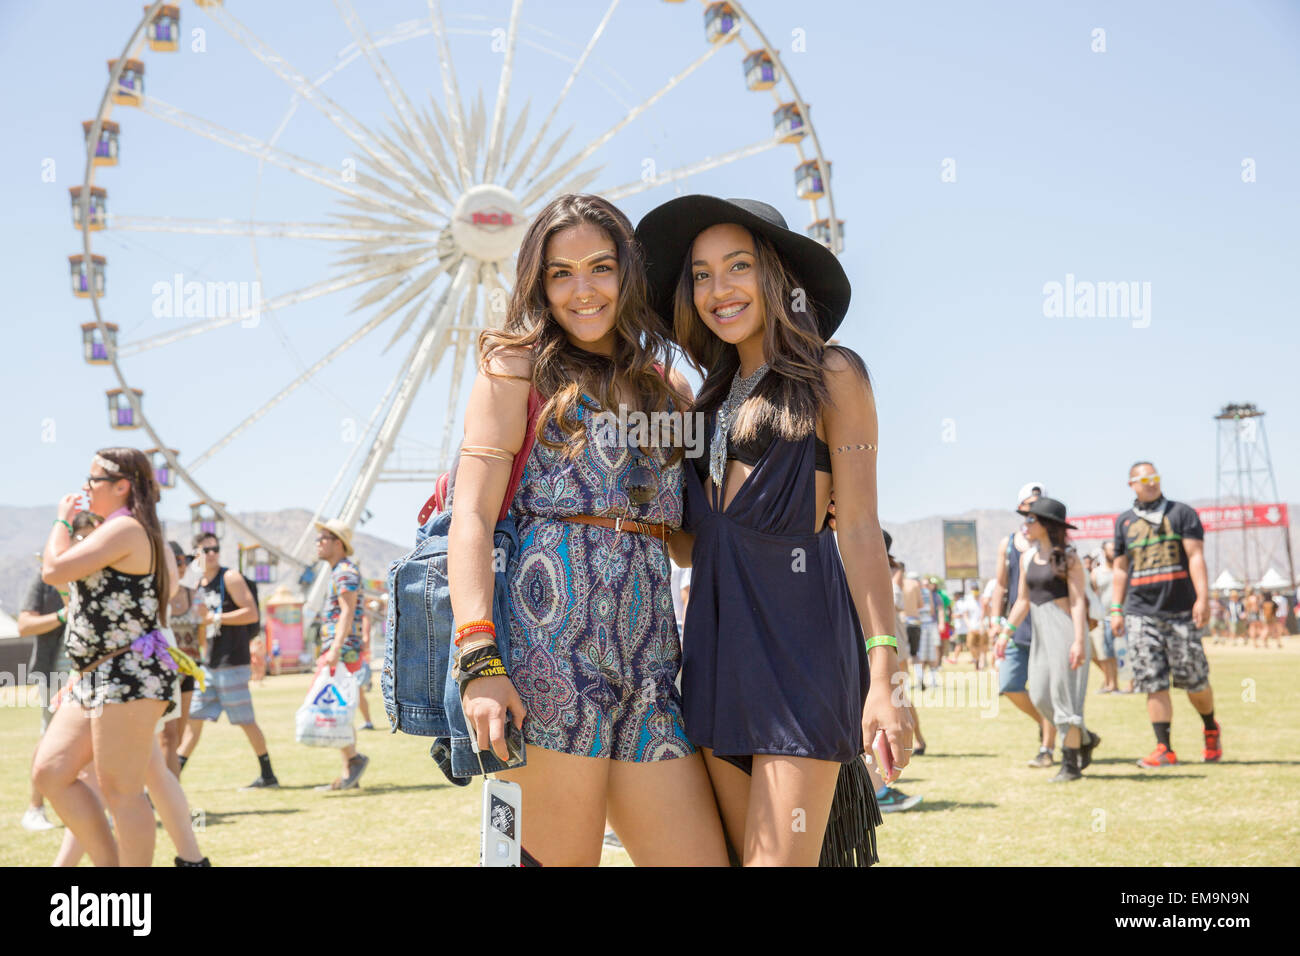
{"x":773,"y":656}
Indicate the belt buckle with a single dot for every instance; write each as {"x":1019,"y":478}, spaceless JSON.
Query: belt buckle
{"x":618,"y":525}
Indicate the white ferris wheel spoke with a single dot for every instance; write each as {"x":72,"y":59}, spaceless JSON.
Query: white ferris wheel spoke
{"x":313,"y":291}
{"x":342,"y":120}
{"x":252,"y":146}
{"x":681,"y":172}
{"x":421,"y":356}
{"x":503,"y":96}
{"x":300,"y":546}
{"x":464,"y":341}
{"x":546,"y":123}
{"x":516,"y":134}
{"x":476,"y":120}
{"x":452,"y":93}
{"x":419,"y":285}
{"x":410,"y":316}
{"x":392,"y":88}
{"x":262,"y":230}
{"x":543,"y":185}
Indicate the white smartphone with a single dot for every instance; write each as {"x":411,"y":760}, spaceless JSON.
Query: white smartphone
{"x":501,"y":826}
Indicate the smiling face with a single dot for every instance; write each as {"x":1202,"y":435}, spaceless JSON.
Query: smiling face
{"x":581,"y":284}
{"x":725,"y":283}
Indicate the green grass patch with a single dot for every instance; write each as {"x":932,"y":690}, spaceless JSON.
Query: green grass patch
{"x":982,"y":805}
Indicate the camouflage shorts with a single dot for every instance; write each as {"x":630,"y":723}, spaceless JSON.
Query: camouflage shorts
{"x":1161,"y":648}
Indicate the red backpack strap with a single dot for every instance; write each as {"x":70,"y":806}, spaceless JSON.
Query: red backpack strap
{"x":521,"y":457}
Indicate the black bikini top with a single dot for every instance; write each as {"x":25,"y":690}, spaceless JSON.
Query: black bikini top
{"x":750,"y":451}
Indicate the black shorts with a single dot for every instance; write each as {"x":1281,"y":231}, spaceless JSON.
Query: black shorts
{"x":914,"y":638}
{"x":187,"y":684}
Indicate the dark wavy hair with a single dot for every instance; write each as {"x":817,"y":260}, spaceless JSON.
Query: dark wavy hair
{"x":561,"y":370}
{"x":788,"y":399}
{"x":134,"y":466}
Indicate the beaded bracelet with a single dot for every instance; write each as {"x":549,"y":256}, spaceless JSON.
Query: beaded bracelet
{"x":483,"y":620}
{"x":468,"y":629}
{"x":883,"y":640}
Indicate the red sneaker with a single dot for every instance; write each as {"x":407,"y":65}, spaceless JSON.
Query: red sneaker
{"x":1162,"y":756}
{"x":1213,"y":749}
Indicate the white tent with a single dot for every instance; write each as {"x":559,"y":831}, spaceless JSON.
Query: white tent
{"x":8,"y":627}
{"x":1272,"y":580}
{"x":1226,"y":582}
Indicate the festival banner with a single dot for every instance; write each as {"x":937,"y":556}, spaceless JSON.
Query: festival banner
{"x":960,"y":551}
{"x":1226,"y":518}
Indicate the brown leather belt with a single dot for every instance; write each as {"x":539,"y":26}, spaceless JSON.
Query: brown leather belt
{"x":659,"y":530}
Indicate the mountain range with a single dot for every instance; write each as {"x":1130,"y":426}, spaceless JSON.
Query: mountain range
{"x":918,"y":543}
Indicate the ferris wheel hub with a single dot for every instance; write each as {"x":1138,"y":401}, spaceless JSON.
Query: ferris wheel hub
{"x":488,"y":223}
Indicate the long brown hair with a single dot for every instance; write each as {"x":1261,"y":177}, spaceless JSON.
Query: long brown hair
{"x":1062,"y":550}
{"x":562,"y":371}
{"x":789,"y":398}
{"x":133,"y":465}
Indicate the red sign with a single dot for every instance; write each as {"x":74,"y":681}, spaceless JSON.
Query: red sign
{"x":1228,"y":518}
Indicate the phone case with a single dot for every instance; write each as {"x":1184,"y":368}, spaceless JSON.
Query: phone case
{"x":884,"y":756}
{"x":502,"y":831}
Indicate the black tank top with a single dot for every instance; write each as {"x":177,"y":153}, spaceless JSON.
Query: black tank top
{"x":1043,"y":583}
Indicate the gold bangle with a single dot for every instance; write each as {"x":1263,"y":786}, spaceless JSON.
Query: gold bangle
{"x":487,"y":451}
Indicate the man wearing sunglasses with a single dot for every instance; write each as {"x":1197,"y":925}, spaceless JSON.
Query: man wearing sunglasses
{"x":1161,"y":597}
{"x":230,"y":613}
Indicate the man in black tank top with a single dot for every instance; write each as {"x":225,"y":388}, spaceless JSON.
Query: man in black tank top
{"x":230,"y":614}
{"x":1013,"y":655}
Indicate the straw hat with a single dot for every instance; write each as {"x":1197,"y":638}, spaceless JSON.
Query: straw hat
{"x":341,"y":531}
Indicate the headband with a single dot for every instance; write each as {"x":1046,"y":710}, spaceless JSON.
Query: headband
{"x":112,"y":467}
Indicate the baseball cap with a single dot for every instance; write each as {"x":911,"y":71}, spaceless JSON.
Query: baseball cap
{"x":1032,"y":488}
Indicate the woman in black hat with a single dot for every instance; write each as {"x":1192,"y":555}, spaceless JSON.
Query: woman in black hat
{"x":779,"y":687}
{"x":1052,"y":593}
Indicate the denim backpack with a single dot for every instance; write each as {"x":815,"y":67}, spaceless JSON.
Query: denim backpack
{"x":421,"y":696}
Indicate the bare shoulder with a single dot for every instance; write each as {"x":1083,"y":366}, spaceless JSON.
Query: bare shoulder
{"x":846,"y":377}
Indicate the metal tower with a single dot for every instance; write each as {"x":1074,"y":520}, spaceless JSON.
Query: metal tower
{"x":1244,"y":476}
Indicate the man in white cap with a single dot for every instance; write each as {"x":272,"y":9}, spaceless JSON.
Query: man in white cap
{"x":342,"y":627}
{"x":1013,"y":672}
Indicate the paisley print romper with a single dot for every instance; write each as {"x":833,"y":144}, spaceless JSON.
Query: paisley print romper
{"x":594,"y":652}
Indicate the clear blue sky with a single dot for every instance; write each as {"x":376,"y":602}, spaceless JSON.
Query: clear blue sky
{"x":1124,"y":165}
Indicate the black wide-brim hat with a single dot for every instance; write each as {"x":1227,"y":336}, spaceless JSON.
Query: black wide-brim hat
{"x":1049,"y":509}
{"x":667,"y":232}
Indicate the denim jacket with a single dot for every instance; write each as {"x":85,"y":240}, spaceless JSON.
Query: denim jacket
{"x":420,"y":694}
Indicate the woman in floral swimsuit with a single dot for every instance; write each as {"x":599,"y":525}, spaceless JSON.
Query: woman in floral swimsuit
{"x":121,"y":579}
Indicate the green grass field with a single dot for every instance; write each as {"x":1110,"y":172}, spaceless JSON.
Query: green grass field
{"x":982,"y":805}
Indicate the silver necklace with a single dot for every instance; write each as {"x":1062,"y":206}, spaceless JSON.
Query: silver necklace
{"x":740,"y":390}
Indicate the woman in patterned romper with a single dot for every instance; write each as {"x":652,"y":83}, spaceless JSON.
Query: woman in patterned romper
{"x":121,"y":580}
{"x":593,"y":644}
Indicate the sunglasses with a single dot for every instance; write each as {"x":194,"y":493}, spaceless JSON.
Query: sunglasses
{"x":641,"y":484}
{"x":210,"y":550}
{"x":326,"y":538}
{"x":1145,"y":480}
{"x":92,"y":479}
{"x":1030,"y":519}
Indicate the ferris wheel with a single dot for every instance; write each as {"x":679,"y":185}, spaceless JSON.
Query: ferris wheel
{"x":427,"y":225}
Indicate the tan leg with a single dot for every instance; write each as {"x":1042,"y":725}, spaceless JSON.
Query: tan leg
{"x":664,"y":812}
{"x":563,"y":812}
{"x":789,"y":804}
{"x":122,"y":740}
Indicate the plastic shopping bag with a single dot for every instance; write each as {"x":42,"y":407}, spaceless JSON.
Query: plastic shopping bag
{"x":325,"y":717}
